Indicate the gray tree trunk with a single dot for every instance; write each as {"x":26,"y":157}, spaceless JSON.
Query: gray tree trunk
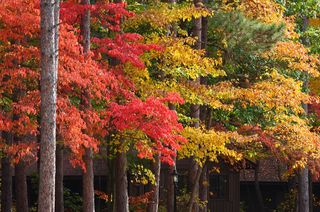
{"x":303,"y":177}
{"x":6,"y":178}
{"x":303,"y":190}
{"x":49,"y":13}
{"x":21,"y":187}
{"x":154,"y":203}
{"x":121,"y":183}
{"x":59,"y":207}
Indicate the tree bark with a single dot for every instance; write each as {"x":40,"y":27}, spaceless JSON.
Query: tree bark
{"x":6,"y":178}
{"x":21,"y":187}
{"x":303,"y":177}
{"x":203,"y":190}
{"x":59,"y":207}
{"x":303,"y":190}
{"x":121,"y":183}
{"x":170,"y":181}
{"x":195,"y":192}
{"x":88,"y":175}
{"x":170,"y":189}
{"x":195,"y":114}
{"x":154,"y":203}
{"x":87,"y":183}
{"x":257,"y":187}
{"x":49,"y":13}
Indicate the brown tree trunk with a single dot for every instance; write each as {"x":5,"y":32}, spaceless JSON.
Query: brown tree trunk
{"x":257,"y":187}
{"x":170,"y":181}
{"x":203,"y":193}
{"x":59,"y":207}
{"x":303,"y":190}
{"x":6,"y":185}
{"x":194,"y":170}
{"x":194,"y":192}
{"x":6,"y":178}
{"x":154,"y":203}
{"x":88,"y":175}
{"x":21,"y":187}
{"x":49,"y":13}
{"x":121,"y":183}
{"x":204,"y":115}
{"x":170,"y":190}
{"x":87,"y":183}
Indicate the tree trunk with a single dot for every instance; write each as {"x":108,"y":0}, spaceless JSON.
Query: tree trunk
{"x":88,"y":175}
{"x":257,"y":187}
{"x":195,"y":191}
{"x":303,"y":177}
{"x":203,"y":193}
{"x":6,"y":178}
{"x":170,"y":181}
{"x":21,"y":187}
{"x":154,"y":203}
{"x":204,"y":115}
{"x":87,"y":183}
{"x":59,"y":207}
{"x":195,"y":114}
{"x":303,"y":190}
{"x":49,"y":13}
{"x":121,"y":185}
{"x":170,"y":189}
{"x":310,"y":194}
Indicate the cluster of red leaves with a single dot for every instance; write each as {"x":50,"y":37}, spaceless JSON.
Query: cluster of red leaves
{"x":102,"y":195}
{"x":125,"y":48}
{"x":155,"y":120}
{"x":107,"y":15}
{"x":141,"y":200}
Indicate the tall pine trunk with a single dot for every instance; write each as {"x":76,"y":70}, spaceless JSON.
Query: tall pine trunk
{"x":59,"y":207}
{"x":195,"y":170}
{"x":6,"y":178}
{"x":88,"y":174}
{"x":204,"y":117}
{"x":49,"y":14}
{"x":121,"y":183}
{"x":21,"y":189}
{"x":303,"y":177}
{"x":154,"y":203}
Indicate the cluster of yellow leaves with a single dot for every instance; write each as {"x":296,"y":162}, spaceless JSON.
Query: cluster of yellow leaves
{"x":209,"y":145}
{"x":174,"y":67}
{"x":297,"y":56}
{"x":142,"y":175}
{"x":161,"y":15}
{"x":295,"y":141}
{"x":277,"y":92}
{"x":179,"y":59}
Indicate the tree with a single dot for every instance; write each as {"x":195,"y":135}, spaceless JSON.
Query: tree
{"x":49,"y":72}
